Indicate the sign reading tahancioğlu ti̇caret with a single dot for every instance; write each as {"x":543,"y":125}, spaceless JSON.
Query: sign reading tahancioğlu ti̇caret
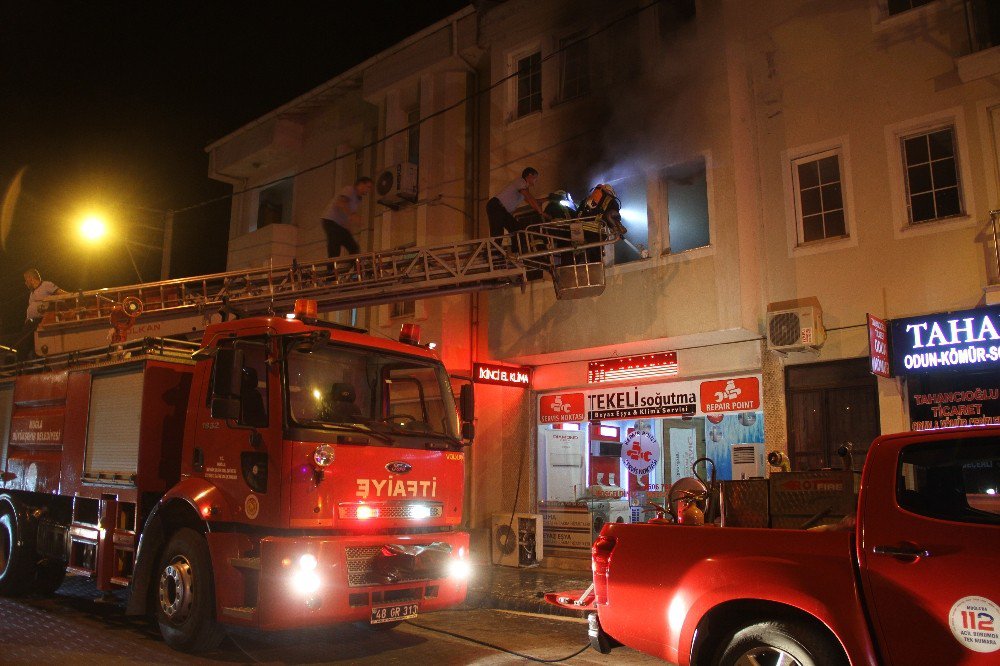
{"x":963,"y":340}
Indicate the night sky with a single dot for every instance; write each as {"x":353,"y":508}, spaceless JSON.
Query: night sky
{"x":109,"y":106}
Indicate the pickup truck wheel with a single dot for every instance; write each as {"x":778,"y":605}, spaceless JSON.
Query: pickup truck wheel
{"x":779,"y":643}
{"x":17,"y":564}
{"x":185,"y":608}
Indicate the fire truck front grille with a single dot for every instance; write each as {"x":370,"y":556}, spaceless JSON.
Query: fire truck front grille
{"x":361,"y":567}
{"x":403,"y":510}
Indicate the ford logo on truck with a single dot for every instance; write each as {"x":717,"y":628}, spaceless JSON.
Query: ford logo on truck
{"x":399,"y":467}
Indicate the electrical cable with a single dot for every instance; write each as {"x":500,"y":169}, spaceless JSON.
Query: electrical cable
{"x":357,"y":151}
{"x":497,"y":647}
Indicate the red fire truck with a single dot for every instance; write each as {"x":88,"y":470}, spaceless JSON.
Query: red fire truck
{"x":280,"y":472}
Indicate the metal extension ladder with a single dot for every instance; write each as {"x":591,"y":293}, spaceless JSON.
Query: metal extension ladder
{"x":568,"y":250}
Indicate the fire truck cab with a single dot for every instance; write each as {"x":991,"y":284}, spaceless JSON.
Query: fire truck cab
{"x":285,"y":472}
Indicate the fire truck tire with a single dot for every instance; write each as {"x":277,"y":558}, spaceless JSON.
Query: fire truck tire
{"x":779,"y":641}
{"x":49,"y":577}
{"x":17,"y":560}
{"x":184,"y":594}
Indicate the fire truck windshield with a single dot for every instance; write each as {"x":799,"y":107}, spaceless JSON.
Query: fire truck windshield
{"x":383,"y":392}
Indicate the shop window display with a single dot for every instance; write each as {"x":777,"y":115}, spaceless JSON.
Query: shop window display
{"x":587,"y":466}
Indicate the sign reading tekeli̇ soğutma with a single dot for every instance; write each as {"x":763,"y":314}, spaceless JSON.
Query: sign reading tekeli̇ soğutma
{"x":967,"y":340}
{"x":951,"y":363}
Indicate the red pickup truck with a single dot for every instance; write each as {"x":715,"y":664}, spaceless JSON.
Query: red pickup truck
{"x":915,"y":581}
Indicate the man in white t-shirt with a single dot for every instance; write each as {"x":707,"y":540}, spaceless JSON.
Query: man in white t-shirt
{"x":40,"y":290}
{"x":500,"y":209}
{"x":341,"y":219}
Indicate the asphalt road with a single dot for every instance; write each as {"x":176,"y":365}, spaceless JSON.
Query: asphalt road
{"x":73,"y":628}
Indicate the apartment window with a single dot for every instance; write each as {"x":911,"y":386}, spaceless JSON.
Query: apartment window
{"x":274,"y":205}
{"x":574,"y":76}
{"x":401,"y":309}
{"x":413,"y":135}
{"x":894,"y":7}
{"x":623,"y":46}
{"x":631,"y":192}
{"x":933,"y":190}
{"x":685,"y":190}
{"x":983,"y":20}
{"x":819,"y":195}
{"x":529,"y":84}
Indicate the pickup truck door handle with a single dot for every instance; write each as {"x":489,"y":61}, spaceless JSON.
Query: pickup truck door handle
{"x":901,"y":551}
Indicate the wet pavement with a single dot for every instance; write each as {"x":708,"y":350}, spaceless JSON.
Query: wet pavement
{"x":504,"y":621}
{"x":523,"y":589}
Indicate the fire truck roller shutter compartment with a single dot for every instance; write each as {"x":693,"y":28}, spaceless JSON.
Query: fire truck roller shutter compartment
{"x":113,"y":432}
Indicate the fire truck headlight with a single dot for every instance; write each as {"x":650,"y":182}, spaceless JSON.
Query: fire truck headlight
{"x":459,"y":569}
{"x":323,"y":456}
{"x":305,"y":582}
{"x":365,"y":512}
{"x":420,"y":511}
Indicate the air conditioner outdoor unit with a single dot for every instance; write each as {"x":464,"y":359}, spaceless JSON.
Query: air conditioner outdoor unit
{"x":396,"y":186}
{"x":517,"y":542}
{"x":795,"y":329}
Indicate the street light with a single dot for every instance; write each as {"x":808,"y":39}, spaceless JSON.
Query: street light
{"x":94,"y":228}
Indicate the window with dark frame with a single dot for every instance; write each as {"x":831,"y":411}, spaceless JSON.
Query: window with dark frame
{"x":274,"y":205}
{"x":529,"y":84}
{"x":408,"y":308}
{"x":574,"y":76}
{"x":820,"y":198}
{"x":933,"y":189}
{"x":894,"y":7}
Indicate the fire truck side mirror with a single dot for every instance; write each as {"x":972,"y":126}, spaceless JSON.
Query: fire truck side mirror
{"x":467,"y":409}
{"x":226,"y":383}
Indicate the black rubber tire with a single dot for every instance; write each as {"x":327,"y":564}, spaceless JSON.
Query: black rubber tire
{"x":17,"y":558}
{"x":806,"y":644}
{"x":185,"y":611}
{"x":49,"y":577}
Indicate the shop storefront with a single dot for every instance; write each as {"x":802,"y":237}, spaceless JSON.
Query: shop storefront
{"x":950,"y":364}
{"x":606,"y":453}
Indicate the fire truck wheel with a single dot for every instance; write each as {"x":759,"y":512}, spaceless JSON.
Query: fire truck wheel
{"x":789,"y":643}
{"x":49,"y":577}
{"x":16,"y":563}
{"x":185,"y":606}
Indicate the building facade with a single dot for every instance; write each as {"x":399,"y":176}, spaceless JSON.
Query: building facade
{"x":783,"y":174}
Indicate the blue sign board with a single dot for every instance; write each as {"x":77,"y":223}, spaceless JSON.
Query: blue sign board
{"x":966,"y":340}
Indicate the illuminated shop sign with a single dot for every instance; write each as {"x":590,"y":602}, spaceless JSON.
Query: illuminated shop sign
{"x":878,"y":346}
{"x":964,"y":340}
{"x":684,"y":398}
{"x":632,"y":367}
{"x":502,"y":375}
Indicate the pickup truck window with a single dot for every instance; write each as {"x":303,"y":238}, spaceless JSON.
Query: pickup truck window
{"x":951,"y":480}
